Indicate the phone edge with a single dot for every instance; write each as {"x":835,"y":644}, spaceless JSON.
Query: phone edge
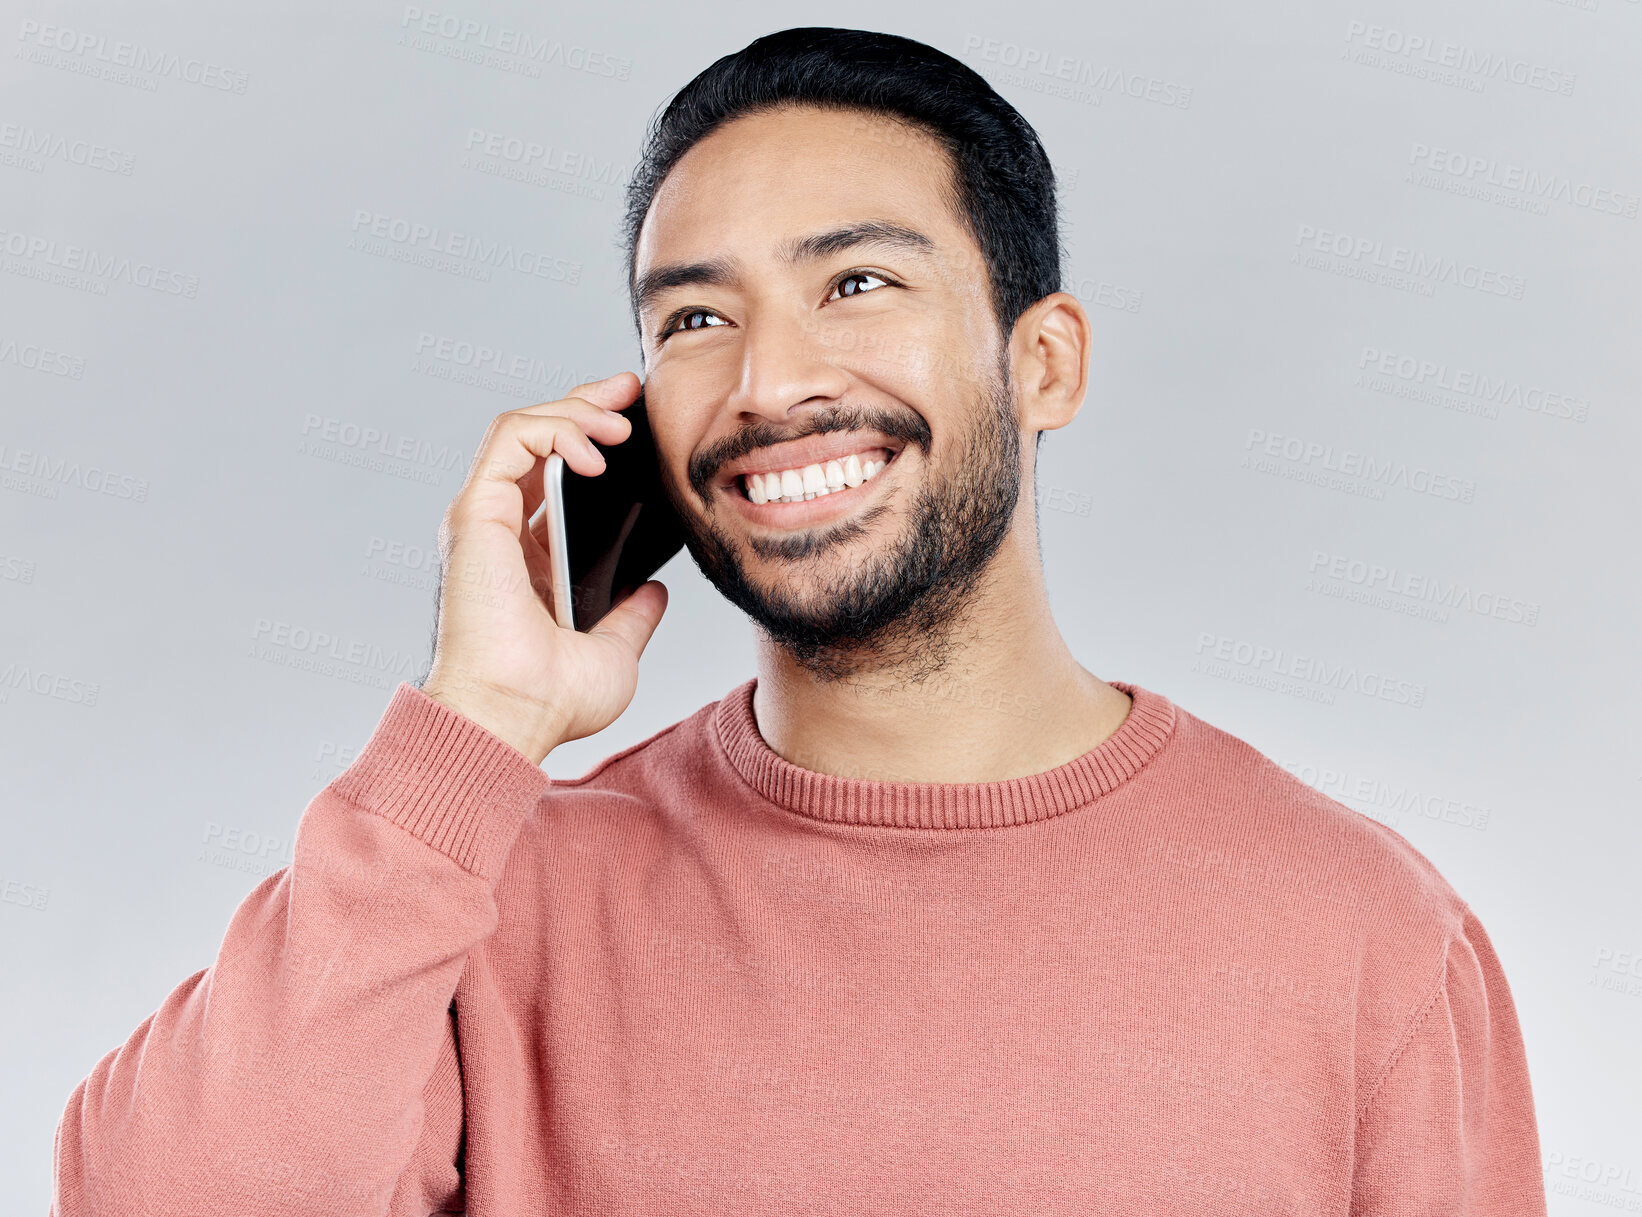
{"x":558,"y":543}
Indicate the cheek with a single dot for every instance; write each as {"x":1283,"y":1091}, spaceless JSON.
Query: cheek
{"x":929,"y":352}
{"x":936,"y":381}
{"x":677,"y":437}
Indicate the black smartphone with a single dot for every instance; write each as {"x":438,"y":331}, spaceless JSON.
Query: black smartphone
{"x":606,"y":534}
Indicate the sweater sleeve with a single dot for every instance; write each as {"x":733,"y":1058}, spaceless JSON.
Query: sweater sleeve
{"x":1450,"y":1129}
{"x":312,"y":1068}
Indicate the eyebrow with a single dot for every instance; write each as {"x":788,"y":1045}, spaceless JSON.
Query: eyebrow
{"x":721,"y":272}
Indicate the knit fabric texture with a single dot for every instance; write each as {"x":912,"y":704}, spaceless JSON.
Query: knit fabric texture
{"x":1165,"y":977}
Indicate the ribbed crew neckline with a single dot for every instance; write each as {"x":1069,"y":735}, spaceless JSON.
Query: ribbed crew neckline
{"x":942,"y":805}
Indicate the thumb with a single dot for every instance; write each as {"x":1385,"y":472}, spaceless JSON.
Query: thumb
{"x":633,"y":622}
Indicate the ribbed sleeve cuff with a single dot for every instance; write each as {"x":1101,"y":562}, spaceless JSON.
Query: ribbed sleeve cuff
{"x":444,"y":779}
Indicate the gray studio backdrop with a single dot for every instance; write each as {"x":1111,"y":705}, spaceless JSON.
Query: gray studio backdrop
{"x":1354,"y":479}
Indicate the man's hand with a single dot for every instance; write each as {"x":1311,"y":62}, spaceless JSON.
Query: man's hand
{"x":500,"y":659}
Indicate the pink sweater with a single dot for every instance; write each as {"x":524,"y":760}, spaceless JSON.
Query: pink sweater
{"x":1166,"y":977}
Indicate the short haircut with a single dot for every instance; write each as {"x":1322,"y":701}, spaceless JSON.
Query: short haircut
{"x":1004,"y":183}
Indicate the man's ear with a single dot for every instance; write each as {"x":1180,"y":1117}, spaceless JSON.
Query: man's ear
{"x":1049,"y":353}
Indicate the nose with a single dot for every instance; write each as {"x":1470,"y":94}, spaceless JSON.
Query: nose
{"x":782,"y":368}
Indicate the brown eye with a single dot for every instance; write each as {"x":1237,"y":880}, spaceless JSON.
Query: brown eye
{"x":694,"y":320}
{"x":847,"y":286}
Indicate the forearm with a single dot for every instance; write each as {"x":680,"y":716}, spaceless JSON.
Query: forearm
{"x":289,"y":1076}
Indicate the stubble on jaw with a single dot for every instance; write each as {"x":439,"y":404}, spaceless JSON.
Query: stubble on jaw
{"x":900,"y":610}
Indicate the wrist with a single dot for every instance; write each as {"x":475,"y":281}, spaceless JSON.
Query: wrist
{"x":529,"y":730}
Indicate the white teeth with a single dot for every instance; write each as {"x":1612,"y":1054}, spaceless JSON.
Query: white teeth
{"x":798,"y":485}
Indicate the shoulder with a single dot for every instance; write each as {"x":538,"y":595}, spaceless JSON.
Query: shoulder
{"x":1238,"y":814}
{"x":1297,"y":878}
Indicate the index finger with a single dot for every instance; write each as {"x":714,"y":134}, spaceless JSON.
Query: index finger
{"x":612,"y":393}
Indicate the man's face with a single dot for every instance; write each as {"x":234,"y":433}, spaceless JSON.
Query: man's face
{"x":808,"y":294}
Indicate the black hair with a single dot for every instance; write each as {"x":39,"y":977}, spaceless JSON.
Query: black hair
{"x":1005,"y":186}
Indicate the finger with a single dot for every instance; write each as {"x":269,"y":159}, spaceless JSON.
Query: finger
{"x":613,"y":392}
{"x":582,"y":409}
{"x":514,"y":446}
{"x":633,"y":622}
{"x":573,"y":407}
{"x":518,"y":440}
{"x":603,"y":426}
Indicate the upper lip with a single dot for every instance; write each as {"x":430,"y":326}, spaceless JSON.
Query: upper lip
{"x":809,"y":450}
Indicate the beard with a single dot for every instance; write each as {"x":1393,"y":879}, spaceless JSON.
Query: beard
{"x":897,"y":608}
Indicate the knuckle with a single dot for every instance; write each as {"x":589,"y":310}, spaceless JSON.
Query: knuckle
{"x":581,"y":389}
{"x":448,"y":529}
{"x":567,"y":408}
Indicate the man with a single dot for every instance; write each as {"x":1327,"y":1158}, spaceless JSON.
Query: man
{"x":925,"y":918}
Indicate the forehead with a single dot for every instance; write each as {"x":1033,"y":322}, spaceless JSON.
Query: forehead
{"x":743,"y":190}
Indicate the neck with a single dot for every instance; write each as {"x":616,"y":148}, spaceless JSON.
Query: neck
{"x":1009,"y":701}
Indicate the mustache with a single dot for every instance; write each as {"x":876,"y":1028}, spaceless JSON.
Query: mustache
{"x":902,"y":425}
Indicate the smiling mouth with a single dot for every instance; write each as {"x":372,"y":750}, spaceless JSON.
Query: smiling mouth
{"x":816,"y":480}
